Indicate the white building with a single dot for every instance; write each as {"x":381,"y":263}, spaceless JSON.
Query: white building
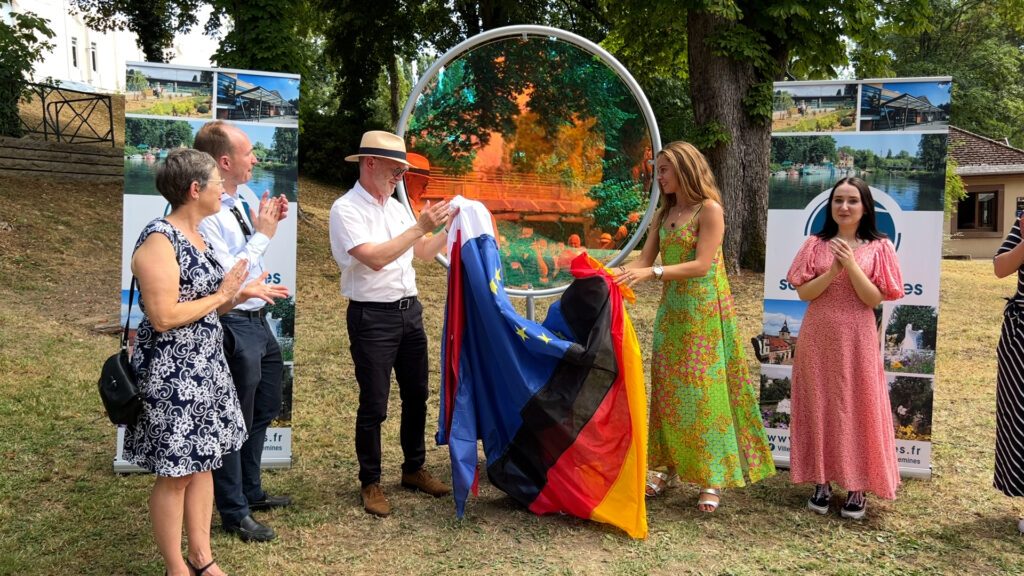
{"x":94,"y":59}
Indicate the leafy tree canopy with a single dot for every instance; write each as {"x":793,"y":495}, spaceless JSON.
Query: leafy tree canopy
{"x":23,"y":42}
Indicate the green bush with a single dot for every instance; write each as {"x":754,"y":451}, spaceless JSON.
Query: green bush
{"x":203,"y":109}
{"x":21,"y":47}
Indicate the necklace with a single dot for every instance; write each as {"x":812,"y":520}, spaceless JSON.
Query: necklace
{"x":673,"y":215}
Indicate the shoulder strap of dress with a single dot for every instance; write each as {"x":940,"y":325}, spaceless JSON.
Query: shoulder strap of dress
{"x":695,"y":213}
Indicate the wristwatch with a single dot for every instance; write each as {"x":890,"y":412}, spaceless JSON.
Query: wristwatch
{"x":658,"y":272}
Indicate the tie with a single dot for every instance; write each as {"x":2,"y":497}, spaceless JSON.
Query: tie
{"x":241,"y":221}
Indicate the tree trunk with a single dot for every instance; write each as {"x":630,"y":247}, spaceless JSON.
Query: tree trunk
{"x":718,"y":86}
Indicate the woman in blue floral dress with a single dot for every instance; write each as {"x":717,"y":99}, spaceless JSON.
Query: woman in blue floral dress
{"x":191,"y":416}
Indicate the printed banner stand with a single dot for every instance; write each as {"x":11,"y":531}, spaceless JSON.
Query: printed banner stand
{"x":892,"y":133}
{"x":165,"y":105}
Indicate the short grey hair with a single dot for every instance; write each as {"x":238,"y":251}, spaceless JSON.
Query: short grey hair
{"x":182,"y":167}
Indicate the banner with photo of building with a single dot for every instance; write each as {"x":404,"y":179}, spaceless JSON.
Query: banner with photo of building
{"x":165,"y":106}
{"x":893,"y":134}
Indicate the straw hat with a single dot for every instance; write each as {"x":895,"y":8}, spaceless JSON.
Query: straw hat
{"x":380,"y":144}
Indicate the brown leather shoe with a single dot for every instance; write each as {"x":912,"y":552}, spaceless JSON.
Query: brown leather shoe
{"x":374,"y":501}
{"x":422,"y":480}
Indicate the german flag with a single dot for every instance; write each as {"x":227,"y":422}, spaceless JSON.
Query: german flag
{"x":560,"y":406}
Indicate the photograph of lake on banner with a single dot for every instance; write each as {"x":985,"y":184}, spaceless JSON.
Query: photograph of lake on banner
{"x":910,"y":168}
{"x":139,"y":178}
{"x":148,"y":140}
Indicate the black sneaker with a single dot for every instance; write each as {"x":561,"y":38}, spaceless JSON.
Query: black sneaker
{"x":822,"y":496}
{"x":855,"y":507}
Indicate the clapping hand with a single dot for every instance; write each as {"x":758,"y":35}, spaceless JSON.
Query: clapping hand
{"x":259,"y":288}
{"x":233,"y":279}
{"x":433,"y":216}
{"x":271,"y":211}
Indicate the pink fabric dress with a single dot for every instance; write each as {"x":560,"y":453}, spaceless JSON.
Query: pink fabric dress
{"x":841,"y":422}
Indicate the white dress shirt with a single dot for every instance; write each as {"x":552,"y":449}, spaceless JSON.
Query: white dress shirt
{"x":357,"y":218}
{"x":225,"y":236}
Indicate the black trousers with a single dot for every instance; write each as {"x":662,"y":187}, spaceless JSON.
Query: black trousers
{"x":385,"y":338}
{"x":256,"y":368}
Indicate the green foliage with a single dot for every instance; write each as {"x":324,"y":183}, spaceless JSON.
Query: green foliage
{"x":670,"y":101}
{"x":778,"y":391}
{"x":262,"y":36}
{"x":931,"y":152}
{"x":810,"y":150}
{"x":22,"y":43}
{"x":260,"y":151}
{"x":710,"y":134}
{"x":136,"y":81}
{"x":955,"y":189}
{"x":616,"y":200}
{"x":284,"y":310}
{"x":922,"y":318}
{"x":154,"y":22}
{"x":154,"y":133}
{"x":979,"y":44}
{"x":286,"y":143}
{"x":915,"y":395}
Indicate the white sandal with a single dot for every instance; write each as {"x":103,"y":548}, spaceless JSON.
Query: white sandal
{"x":702,"y":501}
{"x":658,"y":482}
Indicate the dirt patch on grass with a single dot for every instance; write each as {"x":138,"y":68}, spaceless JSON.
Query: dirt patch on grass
{"x":60,"y":247}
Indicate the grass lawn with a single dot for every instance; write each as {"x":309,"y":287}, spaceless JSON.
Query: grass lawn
{"x":62,"y":511}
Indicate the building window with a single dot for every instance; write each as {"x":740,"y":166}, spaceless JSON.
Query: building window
{"x":92,"y":54}
{"x":980,"y":213}
{"x":74,"y":52}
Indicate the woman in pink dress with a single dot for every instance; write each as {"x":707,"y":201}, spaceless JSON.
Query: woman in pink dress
{"x":841,"y":424}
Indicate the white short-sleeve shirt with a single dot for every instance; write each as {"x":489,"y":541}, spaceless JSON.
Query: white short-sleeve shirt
{"x":357,"y":218}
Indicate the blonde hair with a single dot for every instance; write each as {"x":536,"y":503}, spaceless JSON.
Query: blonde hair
{"x":693,"y":174}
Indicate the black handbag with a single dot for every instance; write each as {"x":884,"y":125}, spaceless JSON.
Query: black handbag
{"x":118,"y":388}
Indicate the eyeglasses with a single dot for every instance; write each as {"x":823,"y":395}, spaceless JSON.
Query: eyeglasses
{"x":217,"y":180}
{"x":399,"y":172}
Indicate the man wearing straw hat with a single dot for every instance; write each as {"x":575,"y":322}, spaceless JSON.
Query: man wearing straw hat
{"x":373,"y":240}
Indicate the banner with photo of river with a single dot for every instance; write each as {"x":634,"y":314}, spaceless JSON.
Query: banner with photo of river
{"x":893,"y":135}
{"x":166,"y":106}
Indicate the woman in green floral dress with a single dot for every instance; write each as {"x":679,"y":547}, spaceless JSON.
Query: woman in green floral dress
{"x":705,"y":427}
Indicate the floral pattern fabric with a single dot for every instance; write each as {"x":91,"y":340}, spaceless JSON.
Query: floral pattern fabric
{"x":705,"y":420}
{"x":841,"y":423}
{"x":191,"y":416}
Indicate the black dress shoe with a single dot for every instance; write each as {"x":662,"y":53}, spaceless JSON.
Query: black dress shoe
{"x":249,"y":530}
{"x":269,"y":502}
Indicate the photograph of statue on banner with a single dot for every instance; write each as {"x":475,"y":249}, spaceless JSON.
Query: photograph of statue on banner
{"x":825,"y":107}
{"x":910,"y":333}
{"x":169,"y":91}
{"x":905,"y":105}
{"x":548,"y":138}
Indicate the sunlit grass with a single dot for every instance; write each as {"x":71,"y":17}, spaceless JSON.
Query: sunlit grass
{"x":62,"y":511}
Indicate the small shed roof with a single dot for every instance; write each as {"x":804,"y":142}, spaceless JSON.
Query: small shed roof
{"x":977,"y":155}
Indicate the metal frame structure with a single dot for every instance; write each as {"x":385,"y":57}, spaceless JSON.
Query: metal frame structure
{"x":525,"y":32}
{"x":80,"y":105}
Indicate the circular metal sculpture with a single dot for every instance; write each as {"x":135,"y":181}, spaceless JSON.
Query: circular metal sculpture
{"x":548,"y":131}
